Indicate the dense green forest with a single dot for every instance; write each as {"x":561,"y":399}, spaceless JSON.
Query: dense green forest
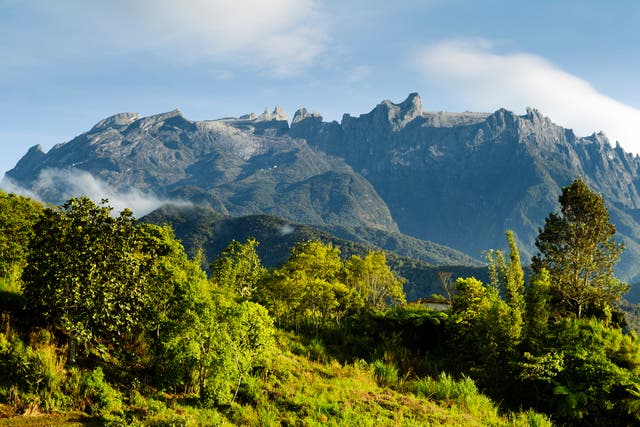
{"x":107,"y":321}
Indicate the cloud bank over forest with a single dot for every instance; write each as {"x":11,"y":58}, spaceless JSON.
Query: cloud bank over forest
{"x":75,"y":183}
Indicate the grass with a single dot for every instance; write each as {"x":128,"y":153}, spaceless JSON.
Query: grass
{"x":301,"y":386}
{"x":299,"y":391}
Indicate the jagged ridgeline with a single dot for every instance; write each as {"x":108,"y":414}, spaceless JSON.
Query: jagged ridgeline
{"x":457,"y":179}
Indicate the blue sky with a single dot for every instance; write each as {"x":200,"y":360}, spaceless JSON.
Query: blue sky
{"x":67,"y":64}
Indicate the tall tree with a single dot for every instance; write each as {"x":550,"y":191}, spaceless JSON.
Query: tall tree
{"x":239,"y":268}
{"x":577,"y":247}
{"x":447,"y":283}
{"x":374,"y":281}
{"x":83,"y":272}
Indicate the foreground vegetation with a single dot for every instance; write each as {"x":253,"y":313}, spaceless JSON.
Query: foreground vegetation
{"x":107,"y":322}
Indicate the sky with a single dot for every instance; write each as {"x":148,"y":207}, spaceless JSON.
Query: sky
{"x":67,"y":64}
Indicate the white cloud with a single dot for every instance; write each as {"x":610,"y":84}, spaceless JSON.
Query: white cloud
{"x":75,"y":183}
{"x":283,"y":37}
{"x":486,"y":80}
{"x":10,"y":186}
{"x":285,"y":230}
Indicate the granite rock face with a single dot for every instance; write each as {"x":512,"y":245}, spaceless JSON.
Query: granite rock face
{"x":462,"y":179}
{"x":238,"y":166}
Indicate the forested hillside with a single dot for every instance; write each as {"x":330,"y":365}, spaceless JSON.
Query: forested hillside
{"x":202,"y":229}
{"x":107,"y":321}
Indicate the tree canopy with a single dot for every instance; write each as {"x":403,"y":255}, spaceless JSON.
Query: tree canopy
{"x":83,"y":271}
{"x":238,"y":268}
{"x":18,"y":214}
{"x":578,"y":249}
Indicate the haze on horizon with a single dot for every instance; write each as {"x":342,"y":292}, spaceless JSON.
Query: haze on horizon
{"x":69,"y":64}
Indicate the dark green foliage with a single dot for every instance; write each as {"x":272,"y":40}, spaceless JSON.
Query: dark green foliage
{"x":84,"y":271}
{"x":410,"y":337}
{"x":577,"y":247}
{"x":600,"y":365}
{"x":17,"y":216}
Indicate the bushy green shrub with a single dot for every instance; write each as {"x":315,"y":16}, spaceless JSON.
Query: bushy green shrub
{"x":99,"y":396}
{"x":36,"y":372}
{"x":386,"y":374}
{"x":317,"y":351}
{"x":445,"y":387}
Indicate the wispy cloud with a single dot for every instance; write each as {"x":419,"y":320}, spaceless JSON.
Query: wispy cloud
{"x":283,"y":37}
{"x":286,"y":229}
{"x":359,"y":73}
{"x":472,"y":71}
{"x":68,"y":183}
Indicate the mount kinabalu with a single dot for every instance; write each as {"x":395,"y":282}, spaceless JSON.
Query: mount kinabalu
{"x":237,"y":166}
{"x":459,"y":179}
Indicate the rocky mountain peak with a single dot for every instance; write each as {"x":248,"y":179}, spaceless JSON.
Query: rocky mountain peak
{"x":250,"y":116}
{"x":166,"y":116}
{"x":399,"y":115}
{"x":302,"y":114}
{"x":412,"y":105}
{"x":116,"y":121}
{"x":534,"y":115}
{"x":599,"y":137}
{"x":278,"y":115}
{"x":28,"y":165}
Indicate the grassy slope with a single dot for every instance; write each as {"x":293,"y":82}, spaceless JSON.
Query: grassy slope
{"x":302,"y":386}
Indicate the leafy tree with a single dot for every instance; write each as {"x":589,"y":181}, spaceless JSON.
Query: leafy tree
{"x":179,"y":311}
{"x":309,"y":288}
{"x":374,"y":281}
{"x":238,"y":268}
{"x":537,"y":310}
{"x":248,"y":336}
{"x":577,"y":247}
{"x":17,"y":216}
{"x":83,"y":272}
{"x":485,"y":330}
{"x":509,"y":276}
{"x":281,"y":292}
{"x":187,"y":337}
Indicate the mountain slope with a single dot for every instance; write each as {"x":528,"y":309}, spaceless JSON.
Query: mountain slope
{"x":237,"y":166}
{"x":462,"y":179}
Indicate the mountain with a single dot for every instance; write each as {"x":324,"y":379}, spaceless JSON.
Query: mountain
{"x":417,"y":261}
{"x":462,"y":179}
{"x":238,"y":166}
{"x":457,"y":179}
